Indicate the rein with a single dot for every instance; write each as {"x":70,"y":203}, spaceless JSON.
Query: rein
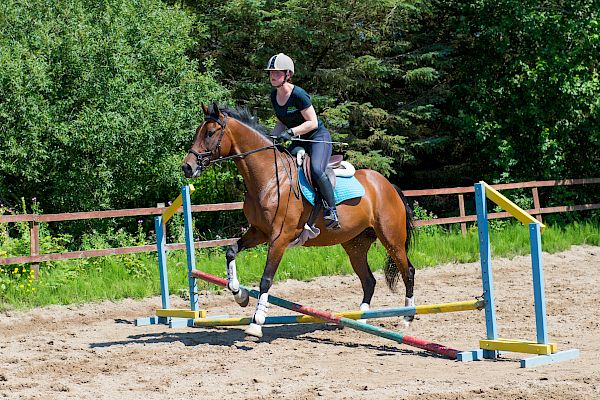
{"x":241,"y":155}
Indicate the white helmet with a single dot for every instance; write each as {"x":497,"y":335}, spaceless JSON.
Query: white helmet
{"x":280,"y":62}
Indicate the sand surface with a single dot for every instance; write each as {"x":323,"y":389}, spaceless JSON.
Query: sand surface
{"x":94,"y":351}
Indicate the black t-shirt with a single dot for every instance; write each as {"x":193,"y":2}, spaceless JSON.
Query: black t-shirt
{"x":289,"y":114}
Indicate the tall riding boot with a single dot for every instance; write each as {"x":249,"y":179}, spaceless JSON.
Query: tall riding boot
{"x":326,"y":190}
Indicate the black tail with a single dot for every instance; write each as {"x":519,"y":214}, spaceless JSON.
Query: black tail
{"x":390,"y":270}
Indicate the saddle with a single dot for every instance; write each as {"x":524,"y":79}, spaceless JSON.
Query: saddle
{"x":335,"y":167}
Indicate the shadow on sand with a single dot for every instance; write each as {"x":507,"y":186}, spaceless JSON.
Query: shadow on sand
{"x":235,"y":336}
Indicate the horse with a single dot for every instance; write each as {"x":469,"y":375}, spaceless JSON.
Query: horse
{"x":277,"y":212}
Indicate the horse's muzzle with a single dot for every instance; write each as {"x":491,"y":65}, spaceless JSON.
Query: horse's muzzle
{"x":203,"y":161}
{"x":189,"y":172}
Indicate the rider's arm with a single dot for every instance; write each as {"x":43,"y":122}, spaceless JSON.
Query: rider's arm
{"x":310,"y":124}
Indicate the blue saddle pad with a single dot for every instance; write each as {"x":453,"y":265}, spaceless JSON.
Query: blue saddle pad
{"x":345,"y":188}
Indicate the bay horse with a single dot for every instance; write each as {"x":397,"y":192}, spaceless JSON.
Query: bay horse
{"x":277,"y":211}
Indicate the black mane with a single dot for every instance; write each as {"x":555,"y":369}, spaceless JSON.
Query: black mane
{"x":241,"y":114}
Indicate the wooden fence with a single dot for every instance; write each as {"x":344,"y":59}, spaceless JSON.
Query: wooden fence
{"x":35,"y":219}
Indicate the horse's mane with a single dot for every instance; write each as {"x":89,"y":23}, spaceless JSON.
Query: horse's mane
{"x":243,"y":115}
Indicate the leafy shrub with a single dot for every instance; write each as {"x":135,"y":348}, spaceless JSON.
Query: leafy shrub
{"x":98,"y":101}
{"x":422,"y":214}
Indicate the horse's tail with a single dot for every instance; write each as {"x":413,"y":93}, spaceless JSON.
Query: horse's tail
{"x":391,"y":271}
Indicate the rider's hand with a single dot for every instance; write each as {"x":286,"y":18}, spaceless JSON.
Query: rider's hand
{"x":288,"y":134}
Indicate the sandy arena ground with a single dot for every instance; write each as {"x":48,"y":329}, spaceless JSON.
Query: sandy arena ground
{"x":94,"y":351}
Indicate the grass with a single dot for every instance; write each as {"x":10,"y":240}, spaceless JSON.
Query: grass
{"x":136,"y":276}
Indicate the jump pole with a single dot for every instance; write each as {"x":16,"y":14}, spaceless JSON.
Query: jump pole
{"x":338,"y":320}
{"x":370,"y":314}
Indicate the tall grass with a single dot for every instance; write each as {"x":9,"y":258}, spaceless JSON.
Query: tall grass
{"x":136,"y":276}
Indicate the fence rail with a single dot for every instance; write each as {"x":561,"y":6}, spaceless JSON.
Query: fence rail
{"x":35,"y":219}
{"x":537,"y":211}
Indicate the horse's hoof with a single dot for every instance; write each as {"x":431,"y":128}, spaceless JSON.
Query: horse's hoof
{"x":364,"y":307}
{"x":242,"y":297}
{"x":245,"y":302}
{"x":407,"y":320}
{"x":254,"y":330}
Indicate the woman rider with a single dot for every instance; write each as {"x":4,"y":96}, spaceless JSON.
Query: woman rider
{"x":297,"y":117}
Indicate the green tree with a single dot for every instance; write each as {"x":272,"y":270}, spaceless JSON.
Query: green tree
{"x":528,"y":85}
{"x":437,"y":92}
{"x":372,"y":73}
{"x":98,"y":101}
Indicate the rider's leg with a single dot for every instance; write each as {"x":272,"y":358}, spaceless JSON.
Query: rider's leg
{"x":326,"y":191}
{"x":320,"y":154}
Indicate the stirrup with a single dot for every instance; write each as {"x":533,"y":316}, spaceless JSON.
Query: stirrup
{"x":331,"y":218}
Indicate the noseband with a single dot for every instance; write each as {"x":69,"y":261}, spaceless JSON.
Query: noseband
{"x":204,"y":159}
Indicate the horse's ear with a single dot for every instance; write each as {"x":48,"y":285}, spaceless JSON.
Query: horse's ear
{"x":216,"y":108}
{"x":204,"y":109}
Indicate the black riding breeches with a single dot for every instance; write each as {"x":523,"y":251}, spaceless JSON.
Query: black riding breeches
{"x":319,"y":153}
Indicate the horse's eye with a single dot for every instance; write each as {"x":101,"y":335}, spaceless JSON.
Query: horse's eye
{"x":210,"y":132}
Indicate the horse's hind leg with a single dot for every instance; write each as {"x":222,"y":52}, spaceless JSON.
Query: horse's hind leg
{"x":357,"y":250}
{"x":393,"y":237}
{"x":251,"y":238}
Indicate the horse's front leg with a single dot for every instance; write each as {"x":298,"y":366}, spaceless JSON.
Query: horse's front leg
{"x":251,"y":238}
{"x":274,"y":256}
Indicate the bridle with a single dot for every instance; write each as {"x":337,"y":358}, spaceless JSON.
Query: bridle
{"x":205,"y":159}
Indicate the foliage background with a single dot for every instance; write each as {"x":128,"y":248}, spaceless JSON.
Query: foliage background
{"x":99,"y":100}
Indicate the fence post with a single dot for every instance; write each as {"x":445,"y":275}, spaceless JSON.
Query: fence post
{"x":461,"y":207}
{"x":34,"y":245}
{"x":536,"y":204}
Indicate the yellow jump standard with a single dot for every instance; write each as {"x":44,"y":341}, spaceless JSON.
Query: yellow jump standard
{"x":489,"y":348}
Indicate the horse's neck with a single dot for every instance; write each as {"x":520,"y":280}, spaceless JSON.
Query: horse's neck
{"x":257,"y":169}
